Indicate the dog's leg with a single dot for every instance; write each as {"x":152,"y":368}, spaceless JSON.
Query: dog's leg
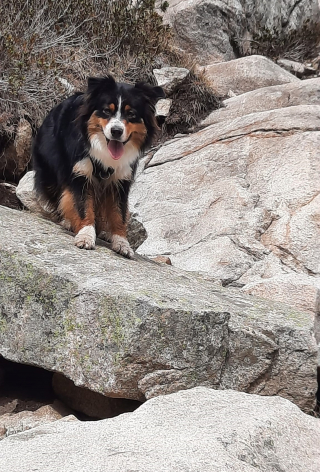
{"x":116,"y":215}
{"x":79,"y":211}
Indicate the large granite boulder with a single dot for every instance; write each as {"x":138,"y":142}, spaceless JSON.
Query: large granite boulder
{"x":195,"y":430}
{"x":136,"y":329}
{"x":245,"y":74}
{"x":239,"y":201}
{"x":210,"y":29}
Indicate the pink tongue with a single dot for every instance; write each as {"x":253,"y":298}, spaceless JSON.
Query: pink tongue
{"x":115,"y":149}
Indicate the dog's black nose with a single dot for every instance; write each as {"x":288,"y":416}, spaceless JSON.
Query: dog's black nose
{"x":116,"y":132}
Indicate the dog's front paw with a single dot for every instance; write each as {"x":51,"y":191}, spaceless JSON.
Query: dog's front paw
{"x":121,"y":246}
{"x":86,"y":238}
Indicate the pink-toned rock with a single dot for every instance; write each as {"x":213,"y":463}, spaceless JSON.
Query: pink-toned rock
{"x":162,"y":260}
{"x":303,"y":92}
{"x":245,"y":74}
{"x":239,"y":201}
{"x":13,"y":423}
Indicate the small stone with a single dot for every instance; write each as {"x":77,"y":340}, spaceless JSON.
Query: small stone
{"x":231,"y":94}
{"x":169,"y":77}
{"x":27,"y":194}
{"x":163,"y":107}
{"x":162,"y":260}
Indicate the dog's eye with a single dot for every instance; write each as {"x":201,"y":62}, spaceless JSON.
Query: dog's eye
{"x":131,"y":115}
{"x":107,"y":112}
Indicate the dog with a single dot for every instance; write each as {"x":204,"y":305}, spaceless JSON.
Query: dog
{"x":85,"y":157}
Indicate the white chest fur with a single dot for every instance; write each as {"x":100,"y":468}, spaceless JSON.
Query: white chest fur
{"x":122,"y":167}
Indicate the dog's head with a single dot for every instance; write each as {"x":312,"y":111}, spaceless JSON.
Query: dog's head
{"x":121,"y":115}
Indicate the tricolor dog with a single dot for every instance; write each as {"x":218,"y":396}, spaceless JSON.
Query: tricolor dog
{"x":85,"y":156}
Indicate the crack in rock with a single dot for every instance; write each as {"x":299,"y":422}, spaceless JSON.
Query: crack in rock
{"x":256,"y":133}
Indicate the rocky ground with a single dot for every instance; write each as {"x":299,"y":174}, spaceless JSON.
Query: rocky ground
{"x":233,"y":205}
{"x":199,"y":430}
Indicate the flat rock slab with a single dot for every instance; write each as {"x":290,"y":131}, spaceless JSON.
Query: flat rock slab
{"x":304,"y":92}
{"x":198,"y":430}
{"x":239,"y":201}
{"x":136,"y":329}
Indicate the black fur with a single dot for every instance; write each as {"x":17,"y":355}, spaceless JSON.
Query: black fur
{"x":63,"y":140}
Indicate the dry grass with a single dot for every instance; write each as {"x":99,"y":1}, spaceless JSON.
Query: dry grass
{"x":192,"y":101}
{"x":298,"y":45}
{"x":45,"y":44}
{"x":49,"y":48}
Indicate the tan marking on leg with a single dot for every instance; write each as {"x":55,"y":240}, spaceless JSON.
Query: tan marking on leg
{"x":113,"y":217}
{"x":83,"y":227}
{"x":110,"y":221}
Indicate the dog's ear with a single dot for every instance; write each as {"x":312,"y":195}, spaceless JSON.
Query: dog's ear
{"x":153,"y":94}
{"x":100,"y":83}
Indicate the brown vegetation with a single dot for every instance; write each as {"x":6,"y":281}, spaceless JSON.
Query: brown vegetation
{"x":297,"y":45}
{"x":46,"y":45}
{"x":49,"y":48}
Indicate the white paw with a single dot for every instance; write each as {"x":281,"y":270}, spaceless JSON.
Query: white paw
{"x":121,"y":245}
{"x":86,"y":238}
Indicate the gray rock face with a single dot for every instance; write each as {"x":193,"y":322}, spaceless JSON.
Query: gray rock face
{"x":207,"y":28}
{"x":196,"y":430}
{"x":239,"y":200}
{"x":163,"y":107}
{"x":135,"y":329}
{"x":303,"y":92}
{"x":204,"y":27}
{"x":245,"y":74}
